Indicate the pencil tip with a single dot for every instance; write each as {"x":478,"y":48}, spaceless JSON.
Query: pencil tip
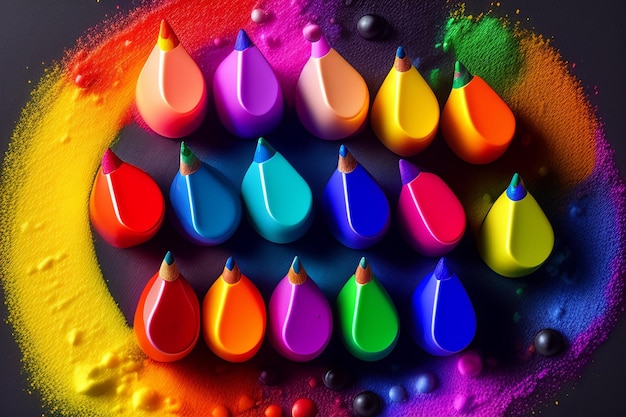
{"x":347,"y":163}
{"x":363,"y":273}
{"x":319,"y":44}
{"x":263,"y":152}
{"x":296,"y":265}
{"x":243,"y":41}
{"x":110,"y":162}
{"x":297,"y":275}
{"x":189,"y":162}
{"x":408,"y":171}
{"x":231,"y":273}
{"x":516,"y":189}
{"x":164,"y":29}
{"x":169,"y":270}
{"x":167,"y":38}
{"x":401,"y":62}
{"x":442,"y":271}
{"x":169,"y":258}
{"x":461,"y":75}
{"x":312,"y":32}
{"x":230,"y":263}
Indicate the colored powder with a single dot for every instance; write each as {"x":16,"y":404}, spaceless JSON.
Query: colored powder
{"x":53,"y":288}
{"x":77,"y":347}
{"x":486,"y":46}
{"x":556,"y":128}
{"x":99,"y":367}
{"x":56,"y":288}
{"x":564,"y":126}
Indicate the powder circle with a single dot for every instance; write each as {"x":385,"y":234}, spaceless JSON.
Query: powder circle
{"x":103,"y":365}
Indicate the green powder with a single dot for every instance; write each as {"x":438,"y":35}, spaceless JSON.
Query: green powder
{"x":486,"y":46}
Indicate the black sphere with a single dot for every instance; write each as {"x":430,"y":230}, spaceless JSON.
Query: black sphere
{"x":372,"y":27}
{"x":270,"y":377}
{"x":366,"y":404}
{"x":336,"y":379}
{"x":549,"y":342}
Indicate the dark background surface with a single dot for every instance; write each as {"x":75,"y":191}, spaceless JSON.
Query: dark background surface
{"x":590,"y":34}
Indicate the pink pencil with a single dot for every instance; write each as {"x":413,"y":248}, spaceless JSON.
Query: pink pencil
{"x":431,"y":216}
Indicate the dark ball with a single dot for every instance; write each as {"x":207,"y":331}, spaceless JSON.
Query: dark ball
{"x":372,"y":27}
{"x":336,"y":379}
{"x":366,"y":404}
{"x":270,"y":377}
{"x":549,"y":342}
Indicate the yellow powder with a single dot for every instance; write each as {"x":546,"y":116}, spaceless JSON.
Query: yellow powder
{"x":77,"y":347}
{"x":78,"y":350}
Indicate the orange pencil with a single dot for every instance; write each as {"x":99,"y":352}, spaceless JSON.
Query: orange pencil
{"x":476,"y":123}
{"x":233,"y":316}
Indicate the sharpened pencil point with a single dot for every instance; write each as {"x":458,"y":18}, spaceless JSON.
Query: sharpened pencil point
{"x":461,"y":76}
{"x":408,"y":171}
{"x":167,"y":38}
{"x":110,"y":162}
{"x":169,"y":270}
{"x":243,"y":41}
{"x":363,"y":273}
{"x":263,"y":152}
{"x":516,"y":189}
{"x":189,"y":162}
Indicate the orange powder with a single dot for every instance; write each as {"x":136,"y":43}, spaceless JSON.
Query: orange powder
{"x":559,"y":121}
{"x":554,"y":145}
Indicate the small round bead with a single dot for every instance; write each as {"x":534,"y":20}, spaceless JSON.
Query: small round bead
{"x":470,"y":364}
{"x":366,"y":404}
{"x":372,"y":27}
{"x":426,"y":382}
{"x":258,"y":16}
{"x":398,"y":394}
{"x":312,"y":32}
{"x":304,"y":407}
{"x":269,"y":377}
{"x":273,"y":410}
{"x":549,"y":342}
{"x":336,"y":379}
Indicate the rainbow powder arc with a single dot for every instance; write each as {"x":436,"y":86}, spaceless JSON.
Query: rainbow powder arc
{"x":56,"y":290}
